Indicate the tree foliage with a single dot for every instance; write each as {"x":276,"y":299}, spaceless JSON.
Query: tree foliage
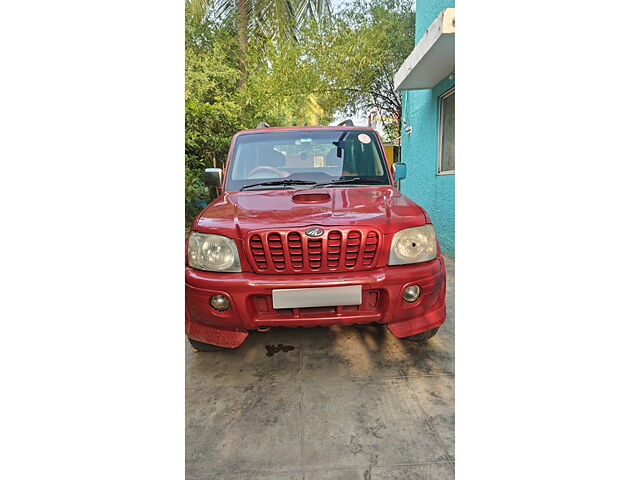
{"x":212,"y":116}
{"x":265,"y":18}
{"x":360,"y":50}
{"x":328,"y":65}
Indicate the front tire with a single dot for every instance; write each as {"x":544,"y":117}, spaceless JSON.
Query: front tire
{"x":204,"y":347}
{"x":420,"y":337}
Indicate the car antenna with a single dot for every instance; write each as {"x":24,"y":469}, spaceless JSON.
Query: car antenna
{"x":263,"y":125}
{"x":346,"y":123}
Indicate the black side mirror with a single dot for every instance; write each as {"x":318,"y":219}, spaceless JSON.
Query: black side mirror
{"x":399,"y":171}
{"x":213,"y":177}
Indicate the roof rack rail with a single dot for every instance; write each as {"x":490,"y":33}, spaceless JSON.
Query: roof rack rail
{"x":263,"y":125}
{"x":346,"y":123}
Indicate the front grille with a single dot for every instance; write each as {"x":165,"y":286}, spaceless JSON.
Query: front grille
{"x":292,"y":251}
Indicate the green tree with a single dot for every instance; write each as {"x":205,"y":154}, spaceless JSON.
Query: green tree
{"x":342,"y":63}
{"x":286,"y":86}
{"x":265,"y":18}
{"x":212,"y":116}
{"x":359,"y":51}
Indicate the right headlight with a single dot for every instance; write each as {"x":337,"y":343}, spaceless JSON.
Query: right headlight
{"x":214,"y":253}
{"x":413,"y":245}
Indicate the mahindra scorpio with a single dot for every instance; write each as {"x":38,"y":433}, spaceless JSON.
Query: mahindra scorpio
{"x":309,"y":230}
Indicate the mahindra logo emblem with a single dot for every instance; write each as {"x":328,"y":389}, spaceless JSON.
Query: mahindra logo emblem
{"x":314,"y":232}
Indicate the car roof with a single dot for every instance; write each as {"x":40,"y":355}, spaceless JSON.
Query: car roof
{"x":302,"y":129}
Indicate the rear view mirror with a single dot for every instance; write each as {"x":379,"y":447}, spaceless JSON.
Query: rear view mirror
{"x":399,"y":171}
{"x":213,"y":177}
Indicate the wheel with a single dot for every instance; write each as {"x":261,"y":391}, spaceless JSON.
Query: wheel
{"x":418,"y":337}
{"x":204,"y":347}
{"x":277,"y":172}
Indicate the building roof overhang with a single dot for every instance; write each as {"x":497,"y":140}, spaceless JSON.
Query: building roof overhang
{"x":432,"y":59}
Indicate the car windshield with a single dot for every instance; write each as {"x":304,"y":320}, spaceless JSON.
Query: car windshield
{"x":307,"y":156}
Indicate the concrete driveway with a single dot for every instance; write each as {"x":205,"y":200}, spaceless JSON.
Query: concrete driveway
{"x":324,"y":403}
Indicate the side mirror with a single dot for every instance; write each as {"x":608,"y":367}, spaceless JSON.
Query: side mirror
{"x":213,"y":177}
{"x":399,"y":171}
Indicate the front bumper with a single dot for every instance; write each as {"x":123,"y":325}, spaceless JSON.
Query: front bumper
{"x":252,"y":308}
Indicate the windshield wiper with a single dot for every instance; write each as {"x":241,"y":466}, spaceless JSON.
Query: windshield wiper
{"x":349,"y":180}
{"x":280,"y":182}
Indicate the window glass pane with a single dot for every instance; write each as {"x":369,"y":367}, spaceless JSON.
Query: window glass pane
{"x":316,"y":155}
{"x":448,"y":134}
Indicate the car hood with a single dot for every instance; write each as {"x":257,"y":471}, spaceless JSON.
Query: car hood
{"x":237,"y":213}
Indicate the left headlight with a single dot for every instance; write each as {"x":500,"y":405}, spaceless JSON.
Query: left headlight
{"x":214,"y":253}
{"x":413,"y":245}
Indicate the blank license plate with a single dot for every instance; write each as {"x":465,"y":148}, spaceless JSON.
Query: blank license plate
{"x":317,"y":297}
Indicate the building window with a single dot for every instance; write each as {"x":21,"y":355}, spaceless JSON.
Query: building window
{"x":447,"y":127}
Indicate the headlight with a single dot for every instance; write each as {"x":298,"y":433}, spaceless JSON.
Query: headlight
{"x":413,"y":245}
{"x":214,"y":253}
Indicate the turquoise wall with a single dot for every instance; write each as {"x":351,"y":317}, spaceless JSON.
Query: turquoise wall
{"x":420,"y":109}
{"x":426,"y":12}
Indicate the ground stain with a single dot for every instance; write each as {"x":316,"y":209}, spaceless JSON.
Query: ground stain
{"x":273,"y":349}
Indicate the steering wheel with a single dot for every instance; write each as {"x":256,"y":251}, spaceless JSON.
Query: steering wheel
{"x":264,"y":168}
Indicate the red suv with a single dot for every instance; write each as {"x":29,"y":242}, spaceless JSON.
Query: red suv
{"x":309,"y":230}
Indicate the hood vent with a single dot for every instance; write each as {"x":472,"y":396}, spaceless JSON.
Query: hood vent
{"x":316,"y":197}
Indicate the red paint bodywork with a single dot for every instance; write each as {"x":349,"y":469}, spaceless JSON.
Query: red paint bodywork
{"x":380,"y":209}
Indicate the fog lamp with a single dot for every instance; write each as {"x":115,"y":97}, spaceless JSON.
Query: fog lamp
{"x":220,"y":302}
{"x":411,"y":293}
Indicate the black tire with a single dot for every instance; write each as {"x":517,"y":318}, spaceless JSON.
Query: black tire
{"x":419,"y":337}
{"x":204,"y":347}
